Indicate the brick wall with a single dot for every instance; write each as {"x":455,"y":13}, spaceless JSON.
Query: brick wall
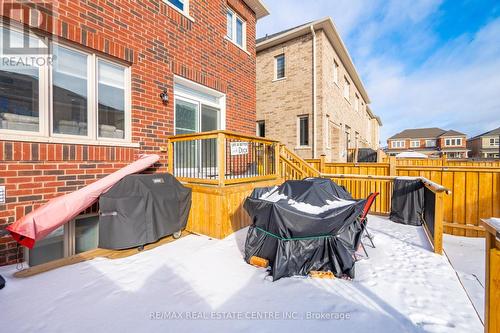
{"x":157,"y":42}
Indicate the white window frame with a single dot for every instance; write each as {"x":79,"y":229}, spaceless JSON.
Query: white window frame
{"x":298,"y":132}
{"x":453,"y":142}
{"x":398,"y":144}
{"x":276,"y":78}
{"x":257,"y":129}
{"x":45,"y":109}
{"x":347,"y":89}
{"x":414,"y":143}
{"x":184,"y":11}
{"x":356,"y":102}
{"x":69,"y":239}
{"x":234,"y":36}
{"x":430,"y":143}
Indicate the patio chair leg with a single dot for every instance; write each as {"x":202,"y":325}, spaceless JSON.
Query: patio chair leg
{"x":364,"y":249}
{"x":370,"y":237}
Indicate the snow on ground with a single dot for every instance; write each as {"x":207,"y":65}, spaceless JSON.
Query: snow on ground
{"x":203,"y":285}
{"x":466,"y":255}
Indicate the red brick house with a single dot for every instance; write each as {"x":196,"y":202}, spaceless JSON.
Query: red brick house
{"x":102,"y":82}
{"x":433,"y":142}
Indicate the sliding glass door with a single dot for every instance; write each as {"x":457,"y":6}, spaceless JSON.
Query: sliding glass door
{"x":195,"y":158}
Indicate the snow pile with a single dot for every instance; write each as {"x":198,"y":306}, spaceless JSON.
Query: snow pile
{"x":307,"y":208}
{"x":197,"y":284}
{"x":274,"y":196}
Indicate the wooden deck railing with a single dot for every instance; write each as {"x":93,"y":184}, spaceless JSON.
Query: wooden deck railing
{"x":492,"y":276}
{"x":222,"y":158}
{"x":360,"y":186}
{"x":292,"y":166}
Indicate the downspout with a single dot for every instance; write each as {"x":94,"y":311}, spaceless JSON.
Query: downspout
{"x":313,"y":91}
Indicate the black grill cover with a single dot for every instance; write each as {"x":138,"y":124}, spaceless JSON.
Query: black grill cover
{"x":296,"y":242}
{"x":141,"y":209}
{"x":407,"y":204}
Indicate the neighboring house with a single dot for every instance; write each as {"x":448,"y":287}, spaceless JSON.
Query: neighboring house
{"x":309,"y":94}
{"x":125,"y":77}
{"x":486,"y":145}
{"x":433,"y":142}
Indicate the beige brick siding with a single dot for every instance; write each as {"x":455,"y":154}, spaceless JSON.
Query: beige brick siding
{"x":280,"y":102}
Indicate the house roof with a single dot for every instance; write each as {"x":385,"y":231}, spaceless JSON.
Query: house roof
{"x":258,"y":7}
{"x":431,"y":132}
{"x":326,"y":24}
{"x":495,"y":131}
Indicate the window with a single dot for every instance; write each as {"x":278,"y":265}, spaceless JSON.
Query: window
{"x":494,"y":141}
{"x":76,"y":236}
{"x":398,"y":144}
{"x":236,"y":29}
{"x":181,"y":5}
{"x":280,"y":66}
{"x":356,"y":103}
{"x":414,"y":143}
{"x":453,"y":142}
{"x":303,"y":131}
{"x":111,"y":100}
{"x":347,"y":89}
{"x":430,"y":143}
{"x":261,"y":128}
{"x":64,"y":99}
{"x":335,"y":72}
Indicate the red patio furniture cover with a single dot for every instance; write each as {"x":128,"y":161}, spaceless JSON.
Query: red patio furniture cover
{"x":58,"y":211}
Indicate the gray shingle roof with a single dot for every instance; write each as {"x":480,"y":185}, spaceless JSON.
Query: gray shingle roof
{"x":266,"y":37}
{"x":431,"y":132}
{"x":496,"y":131}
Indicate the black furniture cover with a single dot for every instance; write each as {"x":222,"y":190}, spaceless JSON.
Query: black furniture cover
{"x":141,"y":209}
{"x":367,"y":155}
{"x":296,"y":242}
{"x":407,"y":204}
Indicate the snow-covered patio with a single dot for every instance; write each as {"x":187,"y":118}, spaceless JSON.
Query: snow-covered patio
{"x":203,"y":285}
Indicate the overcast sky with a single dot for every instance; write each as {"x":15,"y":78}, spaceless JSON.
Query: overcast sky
{"x":425,"y":63}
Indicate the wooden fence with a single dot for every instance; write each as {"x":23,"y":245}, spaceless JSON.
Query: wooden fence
{"x":360,"y":186}
{"x":475,"y":186}
{"x":492,"y":276}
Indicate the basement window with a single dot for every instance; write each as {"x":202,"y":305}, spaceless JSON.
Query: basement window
{"x":77,"y":236}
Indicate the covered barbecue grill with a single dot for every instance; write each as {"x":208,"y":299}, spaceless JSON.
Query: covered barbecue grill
{"x":141,"y":209}
{"x":302,"y":226}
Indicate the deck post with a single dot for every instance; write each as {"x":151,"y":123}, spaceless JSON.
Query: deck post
{"x":277,"y":150}
{"x":221,"y":157}
{"x":492,"y":278}
{"x":322,"y":163}
{"x":392,"y":166}
{"x":438,"y":222}
{"x":170,"y":157}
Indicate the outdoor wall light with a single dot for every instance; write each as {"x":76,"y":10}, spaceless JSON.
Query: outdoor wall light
{"x":164,"y":96}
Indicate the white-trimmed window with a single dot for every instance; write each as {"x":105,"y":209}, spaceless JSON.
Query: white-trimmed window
{"x":236,"y":28}
{"x":494,"y":141}
{"x":76,"y":236}
{"x":430,"y":143}
{"x":73,"y":96}
{"x":453,"y":142}
{"x":347,"y":88}
{"x":335,"y":72}
{"x":180,"y":5}
{"x":279,"y":67}
{"x":303,"y":131}
{"x":261,"y":128}
{"x":398,"y":144}
{"x":356,"y":103}
{"x":415,"y":143}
